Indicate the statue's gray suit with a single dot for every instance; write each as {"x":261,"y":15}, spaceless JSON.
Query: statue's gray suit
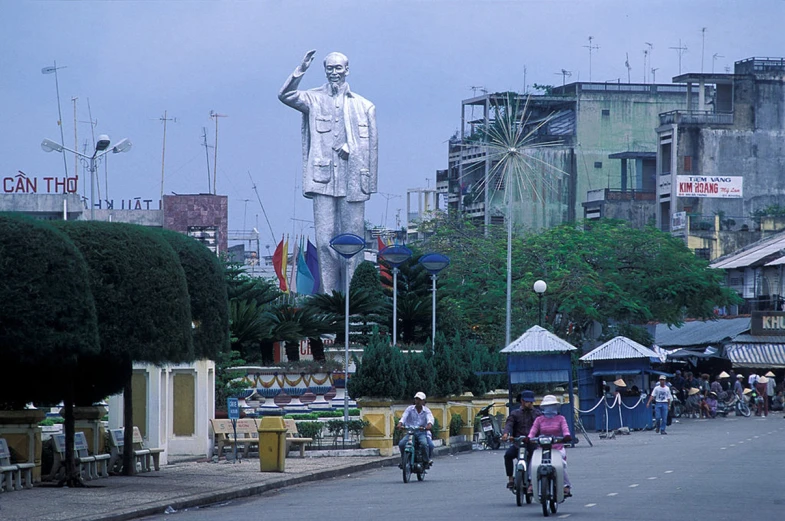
{"x":339,"y":158}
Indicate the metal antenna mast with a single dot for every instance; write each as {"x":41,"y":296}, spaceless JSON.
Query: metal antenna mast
{"x":214,"y":115}
{"x":387,"y":204}
{"x":627,"y":64}
{"x":681,"y":49}
{"x":591,"y":48}
{"x":76,"y":141}
{"x":206,"y":154}
{"x":703,"y":44}
{"x":163,"y":153}
{"x":654,"y":74}
{"x":253,"y":185}
{"x":651,"y":58}
{"x":714,"y":59}
{"x":50,"y":70}
{"x":564,"y":74}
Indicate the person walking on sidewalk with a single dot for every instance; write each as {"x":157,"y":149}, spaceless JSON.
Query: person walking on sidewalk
{"x":662,"y":397}
{"x":519,"y":423}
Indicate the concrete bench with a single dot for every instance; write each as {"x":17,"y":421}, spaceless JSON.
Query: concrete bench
{"x":247,"y":434}
{"x":13,"y":475}
{"x":90,"y":466}
{"x":146,"y":458}
{"x":293,"y":437}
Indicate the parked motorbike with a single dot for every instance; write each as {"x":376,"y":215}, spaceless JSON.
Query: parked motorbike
{"x":548,"y":474}
{"x":522,"y":481}
{"x":490,"y":427}
{"x":415,"y":458}
{"x":733,"y":403}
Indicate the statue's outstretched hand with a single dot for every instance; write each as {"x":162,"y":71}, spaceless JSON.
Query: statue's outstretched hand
{"x":307,"y":60}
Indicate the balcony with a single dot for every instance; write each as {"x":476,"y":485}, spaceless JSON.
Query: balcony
{"x":696,"y":117}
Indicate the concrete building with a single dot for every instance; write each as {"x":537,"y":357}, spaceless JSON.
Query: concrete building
{"x":593,"y":126}
{"x":720,"y":160}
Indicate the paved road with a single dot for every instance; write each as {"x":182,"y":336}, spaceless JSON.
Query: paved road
{"x":723,"y":469}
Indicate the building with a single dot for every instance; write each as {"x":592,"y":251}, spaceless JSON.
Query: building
{"x":720,"y":159}
{"x":602,"y":142}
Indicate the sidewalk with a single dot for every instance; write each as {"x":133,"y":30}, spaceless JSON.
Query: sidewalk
{"x":181,"y":485}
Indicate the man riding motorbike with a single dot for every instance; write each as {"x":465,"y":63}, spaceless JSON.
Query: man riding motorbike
{"x":418,"y":415}
{"x":519,"y":423}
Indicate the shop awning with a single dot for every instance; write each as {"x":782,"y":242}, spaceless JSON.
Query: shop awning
{"x":756,"y":355}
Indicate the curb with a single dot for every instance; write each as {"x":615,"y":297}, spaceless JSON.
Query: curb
{"x":203,"y":499}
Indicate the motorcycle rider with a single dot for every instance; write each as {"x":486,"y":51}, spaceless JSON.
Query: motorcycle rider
{"x":551,"y":423}
{"x":417,"y":415}
{"x":519,"y":423}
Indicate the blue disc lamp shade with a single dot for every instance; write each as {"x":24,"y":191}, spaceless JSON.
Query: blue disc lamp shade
{"x":395,"y":255}
{"x":434,"y":262}
{"x":347,"y":244}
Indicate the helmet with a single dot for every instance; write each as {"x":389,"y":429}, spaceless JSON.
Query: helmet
{"x":549,"y":399}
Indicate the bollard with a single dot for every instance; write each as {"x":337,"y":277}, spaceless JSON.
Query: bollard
{"x":272,"y":444}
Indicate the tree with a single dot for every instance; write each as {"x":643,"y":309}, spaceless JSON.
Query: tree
{"x":47,"y":319}
{"x":142,"y":304}
{"x":366,"y":280}
{"x":381,"y":373}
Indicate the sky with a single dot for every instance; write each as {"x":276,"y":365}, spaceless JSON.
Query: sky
{"x":129,"y":62}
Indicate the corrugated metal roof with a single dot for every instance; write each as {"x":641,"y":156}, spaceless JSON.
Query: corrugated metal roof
{"x":776,"y":262}
{"x":753,"y":253}
{"x":700,"y":333}
{"x":538,"y":340}
{"x":617,"y":349}
{"x":758,"y":339}
{"x":757,"y":355}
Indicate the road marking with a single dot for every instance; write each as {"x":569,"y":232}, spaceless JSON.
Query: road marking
{"x":653,"y":477}
{"x":589,"y":505}
{"x":723,"y":448}
{"x":756,"y":437}
{"x":732,"y":444}
{"x":633,"y":485}
{"x":613,"y":494}
{"x":668,"y":471}
{"x":563,"y":516}
{"x":741,"y":443}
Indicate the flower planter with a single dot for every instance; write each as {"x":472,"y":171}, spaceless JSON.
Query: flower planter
{"x":20,"y":429}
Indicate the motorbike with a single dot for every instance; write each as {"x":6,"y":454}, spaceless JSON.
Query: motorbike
{"x":733,"y":403}
{"x":521,"y":482}
{"x":490,"y":427}
{"x":548,"y":474}
{"x":415,"y":458}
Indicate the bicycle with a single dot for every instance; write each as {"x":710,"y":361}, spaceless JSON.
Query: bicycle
{"x":582,"y":429}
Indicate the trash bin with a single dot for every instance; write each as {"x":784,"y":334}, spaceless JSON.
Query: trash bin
{"x":272,"y":444}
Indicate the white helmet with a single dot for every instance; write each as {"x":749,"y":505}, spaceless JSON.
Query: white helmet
{"x":549,"y":399}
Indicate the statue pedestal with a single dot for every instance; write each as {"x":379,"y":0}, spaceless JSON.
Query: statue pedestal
{"x":20,"y":429}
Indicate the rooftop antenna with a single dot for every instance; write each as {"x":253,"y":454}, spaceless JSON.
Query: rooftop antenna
{"x":564,"y":74}
{"x":163,"y":152}
{"x":475,"y":88}
{"x":253,"y":186}
{"x":214,"y":115}
{"x":591,"y":48}
{"x":76,"y":140}
{"x":645,"y":56}
{"x":206,"y":154}
{"x":627,"y":64}
{"x":681,"y":49}
{"x":727,"y":69}
{"x":703,"y":44}
{"x":245,"y":209}
{"x":53,"y":70}
{"x":387,"y":204}
{"x":714,"y":59}
{"x":654,"y":74}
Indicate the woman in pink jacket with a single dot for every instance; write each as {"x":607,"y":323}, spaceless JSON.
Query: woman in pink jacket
{"x":551,"y":423}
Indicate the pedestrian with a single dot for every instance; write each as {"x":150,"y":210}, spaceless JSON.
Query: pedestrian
{"x":762,"y":408}
{"x":519,"y":423}
{"x":771,"y":387}
{"x":662,"y":398}
{"x":738,"y":387}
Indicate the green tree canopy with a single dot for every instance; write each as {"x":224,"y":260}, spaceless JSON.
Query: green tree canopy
{"x":382,"y":372}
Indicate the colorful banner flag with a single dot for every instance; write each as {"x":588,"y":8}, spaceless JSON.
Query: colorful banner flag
{"x":293,"y":274}
{"x":312,"y":260}
{"x":304,"y":276}
{"x":279,"y":264}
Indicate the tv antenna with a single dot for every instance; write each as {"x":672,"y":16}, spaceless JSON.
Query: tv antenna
{"x":654,"y":74}
{"x":76,"y":140}
{"x":163,"y":151}
{"x":476,"y":88}
{"x":387,"y":204}
{"x":645,"y":58}
{"x":627,"y":64}
{"x":703,"y":44}
{"x":206,"y":154}
{"x":591,"y":48}
{"x":714,"y":59}
{"x":253,"y":186}
{"x":564,"y":74}
{"x":53,"y":70}
{"x":681,"y":49}
{"x":214,"y":115}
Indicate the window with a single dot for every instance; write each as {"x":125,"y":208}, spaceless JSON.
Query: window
{"x":688,"y":163}
{"x":598,"y":164}
{"x":606,"y":113}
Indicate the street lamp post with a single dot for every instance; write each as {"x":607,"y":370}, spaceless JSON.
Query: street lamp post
{"x":539,"y":287}
{"x":347,"y":245}
{"x":395,"y":256}
{"x":101,"y":149}
{"x":434,"y":263}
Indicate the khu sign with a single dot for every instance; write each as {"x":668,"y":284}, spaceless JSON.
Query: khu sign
{"x":767,"y":323}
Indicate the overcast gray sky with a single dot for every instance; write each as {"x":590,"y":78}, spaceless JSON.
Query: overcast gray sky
{"x":416,"y":60}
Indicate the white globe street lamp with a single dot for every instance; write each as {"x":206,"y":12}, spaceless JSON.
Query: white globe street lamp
{"x":539,"y":288}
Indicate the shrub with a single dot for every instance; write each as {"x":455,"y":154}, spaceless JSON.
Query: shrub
{"x":456,"y":424}
{"x":436,"y":429}
{"x":382,"y":372}
{"x":310,"y":429}
{"x":303,"y":416}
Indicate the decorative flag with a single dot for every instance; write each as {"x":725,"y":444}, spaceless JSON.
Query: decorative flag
{"x":284,"y":263}
{"x":304,"y":277}
{"x":293,"y":274}
{"x":279,"y":264}
{"x":312,"y":260}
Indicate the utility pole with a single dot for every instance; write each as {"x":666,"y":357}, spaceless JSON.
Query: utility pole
{"x":681,"y":49}
{"x":214,"y":115}
{"x":591,"y":48}
{"x":163,"y":155}
{"x":206,"y":154}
